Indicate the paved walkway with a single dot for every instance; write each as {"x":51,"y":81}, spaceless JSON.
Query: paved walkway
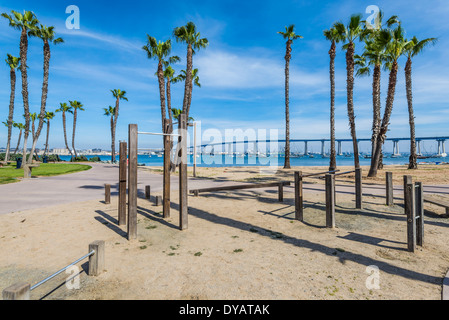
{"x":89,"y":185}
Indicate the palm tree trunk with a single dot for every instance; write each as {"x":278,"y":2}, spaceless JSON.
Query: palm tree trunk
{"x":333,"y":160}
{"x":48,"y":135}
{"x":170,"y":117}
{"x":376,"y":109}
{"x":112,"y":139}
{"x":11,"y":112}
{"x":24,"y":72}
{"x":117,"y":105}
{"x":74,"y":129}
{"x":65,"y":132}
{"x":386,"y":119}
{"x":350,"y":93}
{"x":18,"y":141}
{"x":188,"y":82}
{"x":287,"y":104}
{"x":408,"y":84}
{"x":161,"y":79}
{"x":44,"y":95}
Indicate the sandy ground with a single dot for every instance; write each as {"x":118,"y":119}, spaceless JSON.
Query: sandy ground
{"x":239,"y":245}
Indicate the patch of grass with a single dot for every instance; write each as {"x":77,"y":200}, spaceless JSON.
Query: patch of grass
{"x":151,"y":227}
{"x":238,"y":250}
{"x":198,"y":254}
{"x":44,"y":170}
{"x":143,"y":247}
{"x":6,"y":180}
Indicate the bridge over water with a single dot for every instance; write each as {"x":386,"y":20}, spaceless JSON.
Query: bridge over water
{"x":268,"y":142}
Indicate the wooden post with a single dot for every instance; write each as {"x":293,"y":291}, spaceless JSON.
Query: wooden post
{"x":148,"y":192}
{"x":330,"y":201}
{"x":281,"y":192}
{"x":358,"y":188}
{"x":96,"y":261}
{"x":299,"y":199}
{"x":419,"y":202}
{"x":159,"y":201}
{"x":122,"y":184}
{"x":167,"y":162}
{"x":183,"y":211}
{"x":107,"y":193}
{"x":389,"y":188}
{"x":18,"y":291}
{"x":132,"y":182}
{"x":409,"y":206}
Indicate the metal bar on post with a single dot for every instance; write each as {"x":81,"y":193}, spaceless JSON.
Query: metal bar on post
{"x":122,"y":184}
{"x":167,"y":162}
{"x":182,"y":156}
{"x":358,"y":188}
{"x":419,"y":203}
{"x":132,"y":182}
{"x":409,"y":206}
{"x":330,"y":201}
{"x":389,"y":188}
{"x":299,"y":200}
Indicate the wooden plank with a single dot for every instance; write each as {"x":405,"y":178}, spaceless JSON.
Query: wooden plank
{"x":167,"y":162}
{"x":183,"y":209}
{"x":438,"y":202}
{"x":132,"y":182}
{"x":241,"y":186}
{"x":122,"y":184}
{"x":148,"y":192}
{"x":330,"y":201}
{"x":389,"y":188}
{"x":299,"y":200}
{"x":358,"y":188}
{"x":409,"y":207}
{"x":419,"y":203}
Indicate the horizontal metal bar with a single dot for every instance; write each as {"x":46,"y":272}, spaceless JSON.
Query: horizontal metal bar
{"x":62,"y":270}
{"x":318,"y":174}
{"x":158,"y":134}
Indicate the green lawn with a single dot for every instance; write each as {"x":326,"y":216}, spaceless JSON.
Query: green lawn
{"x":9,"y":174}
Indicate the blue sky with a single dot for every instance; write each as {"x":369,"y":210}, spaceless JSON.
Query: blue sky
{"x":241,"y":72}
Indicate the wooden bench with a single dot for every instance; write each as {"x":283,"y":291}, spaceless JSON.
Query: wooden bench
{"x":27,"y":168}
{"x":279,"y":184}
{"x":439,"y":202}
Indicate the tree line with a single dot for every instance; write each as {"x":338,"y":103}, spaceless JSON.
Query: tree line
{"x":384,"y":44}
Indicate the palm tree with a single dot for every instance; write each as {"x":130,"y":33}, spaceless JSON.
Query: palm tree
{"x":195,"y":80}
{"x":159,"y":50}
{"x":177,"y":113}
{"x":65,"y":108}
{"x":21,"y":127}
{"x":188,"y":34}
{"x":375,"y":56}
{"x":118,"y":95}
{"x":48,"y":116}
{"x":350,"y":33}
{"x":76,"y":105}
{"x":290,"y":35}
{"x":395,"y":44}
{"x":48,"y":36}
{"x":334,"y":37}
{"x":13,"y":64}
{"x":411,"y":50}
{"x":24,"y":22}
{"x":110,"y":112}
